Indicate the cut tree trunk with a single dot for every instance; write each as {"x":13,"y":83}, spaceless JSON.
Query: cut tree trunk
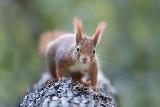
{"x":67,"y":94}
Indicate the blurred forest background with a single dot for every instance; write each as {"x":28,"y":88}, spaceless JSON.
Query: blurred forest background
{"x":129,"y":49}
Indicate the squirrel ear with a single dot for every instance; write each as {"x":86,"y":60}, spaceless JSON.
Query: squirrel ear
{"x":78,"y":30}
{"x":99,"y":30}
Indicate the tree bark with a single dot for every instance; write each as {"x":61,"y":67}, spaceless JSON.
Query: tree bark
{"x":66,"y":94}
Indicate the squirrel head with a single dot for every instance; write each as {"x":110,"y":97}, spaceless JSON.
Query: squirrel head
{"x":85,"y":45}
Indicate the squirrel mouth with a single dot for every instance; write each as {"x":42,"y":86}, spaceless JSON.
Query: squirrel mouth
{"x":84,"y":59}
{"x":84,"y":62}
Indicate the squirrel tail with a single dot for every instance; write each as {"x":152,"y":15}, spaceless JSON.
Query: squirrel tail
{"x":45,"y":38}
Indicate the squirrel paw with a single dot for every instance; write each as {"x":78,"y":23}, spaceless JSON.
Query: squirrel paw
{"x":80,"y":84}
{"x":62,"y":78}
{"x":49,"y":81}
{"x":94,"y":88}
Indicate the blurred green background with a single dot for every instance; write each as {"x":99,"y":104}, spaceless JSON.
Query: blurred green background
{"x":129,"y":49}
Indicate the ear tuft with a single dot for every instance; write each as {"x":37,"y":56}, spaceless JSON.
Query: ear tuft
{"x":78,"y":29}
{"x":99,"y":30}
{"x":78,"y":25}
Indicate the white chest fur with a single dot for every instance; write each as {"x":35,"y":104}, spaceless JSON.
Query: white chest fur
{"x":78,"y":67}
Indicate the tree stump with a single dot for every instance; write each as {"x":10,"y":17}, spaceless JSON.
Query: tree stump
{"x":67,"y":94}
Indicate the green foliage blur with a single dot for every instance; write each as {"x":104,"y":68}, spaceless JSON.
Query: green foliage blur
{"x":129,"y":50}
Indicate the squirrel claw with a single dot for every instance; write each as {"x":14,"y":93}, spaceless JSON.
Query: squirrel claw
{"x":80,"y":85}
{"x":62,"y":78}
{"x":49,"y":81}
{"x":94,"y":88}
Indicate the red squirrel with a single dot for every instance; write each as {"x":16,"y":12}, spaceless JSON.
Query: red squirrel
{"x":73,"y":52}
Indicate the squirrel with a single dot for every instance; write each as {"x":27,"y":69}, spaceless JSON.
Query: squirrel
{"x":73,"y":52}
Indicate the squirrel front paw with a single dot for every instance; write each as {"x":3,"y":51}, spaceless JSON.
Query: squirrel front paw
{"x":94,"y":88}
{"x":48,"y":81}
{"x":62,"y":78}
{"x":80,"y":84}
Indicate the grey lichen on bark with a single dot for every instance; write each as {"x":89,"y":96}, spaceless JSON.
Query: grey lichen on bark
{"x":67,"y":94}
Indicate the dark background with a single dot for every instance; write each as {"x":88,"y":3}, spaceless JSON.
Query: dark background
{"x":129,"y":49}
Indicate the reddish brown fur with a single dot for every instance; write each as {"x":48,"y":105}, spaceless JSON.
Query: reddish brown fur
{"x":78,"y":26}
{"x":98,"y":32}
{"x":74,"y":52}
{"x":45,"y":38}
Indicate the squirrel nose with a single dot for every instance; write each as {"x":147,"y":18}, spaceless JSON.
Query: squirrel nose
{"x":84,"y":60}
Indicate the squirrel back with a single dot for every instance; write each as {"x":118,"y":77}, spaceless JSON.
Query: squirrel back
{"x":46,"y":38}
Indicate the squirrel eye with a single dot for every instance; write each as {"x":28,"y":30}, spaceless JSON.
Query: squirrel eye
{"x":94,"y":51}
{"x":77,"y":49}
